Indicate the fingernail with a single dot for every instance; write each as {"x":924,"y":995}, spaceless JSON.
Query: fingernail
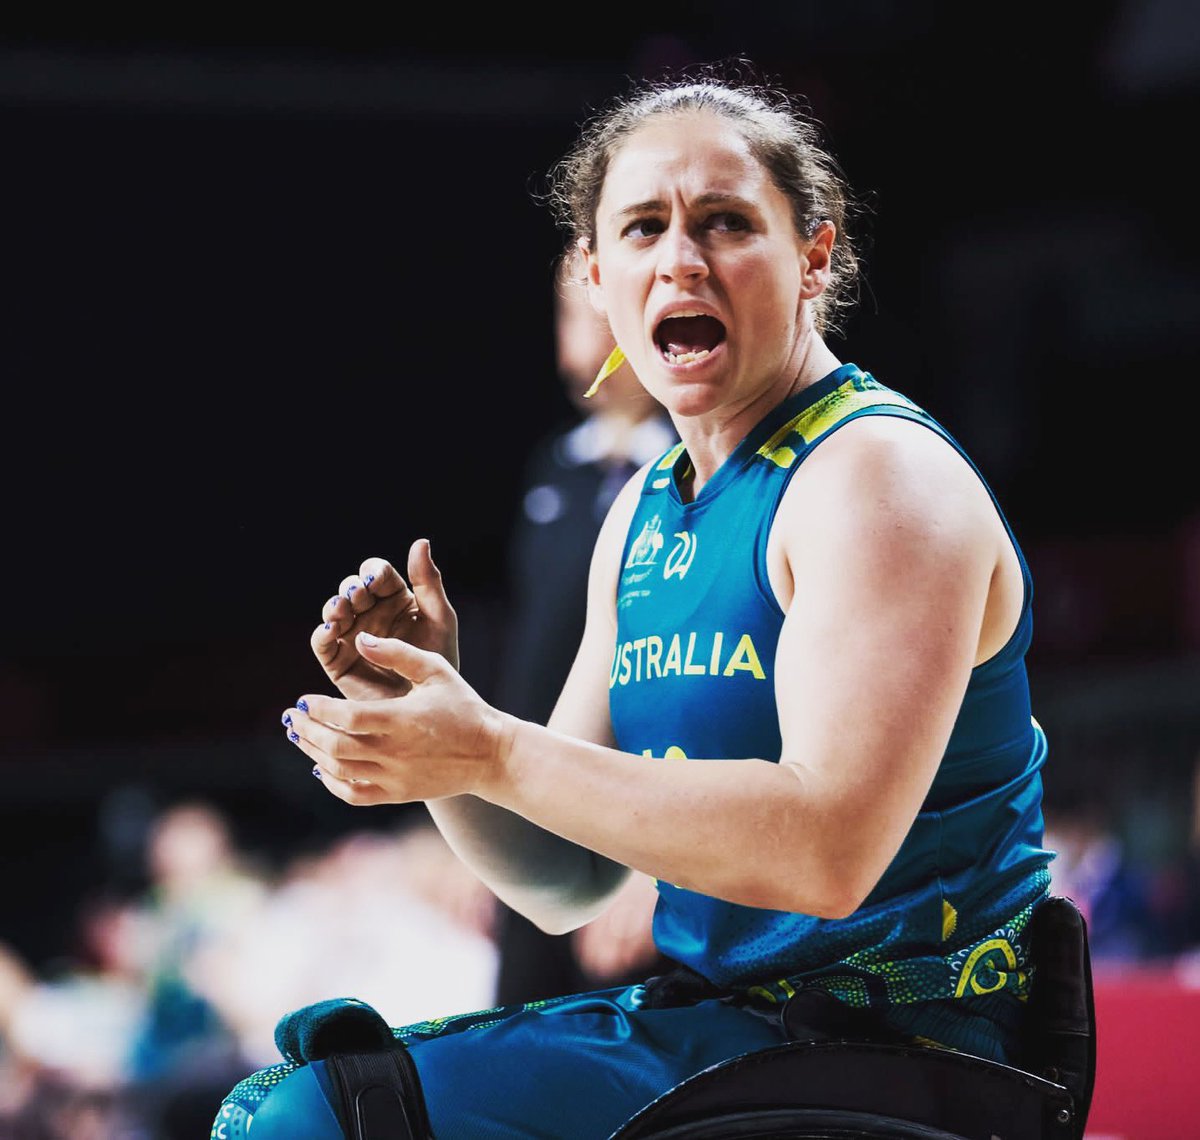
{"x":335,"y":599}
{"x":350,"y":590}
{"x":302,"y":705}
{"x":328,"y":625}
{"x":294,"y":736}
{"x":287,"y":718}
{"x":369,"y":579}
{"x":316,"y":771}
{"x":368,"y":639}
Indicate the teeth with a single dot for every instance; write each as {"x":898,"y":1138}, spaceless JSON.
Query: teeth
{"x":686,"y":357}
{"x":685,"y":313}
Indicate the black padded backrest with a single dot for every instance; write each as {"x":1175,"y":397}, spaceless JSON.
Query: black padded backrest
{"x":1060,"y":1041}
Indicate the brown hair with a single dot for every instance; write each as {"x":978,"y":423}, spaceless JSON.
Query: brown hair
{"x":781,"y":135}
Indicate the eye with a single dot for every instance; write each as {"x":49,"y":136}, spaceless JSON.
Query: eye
{"x":643,"y":228}
{"x":726,"y":221}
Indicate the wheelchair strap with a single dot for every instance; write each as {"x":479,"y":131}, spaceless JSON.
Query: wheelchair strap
{"x":380,"y":1095}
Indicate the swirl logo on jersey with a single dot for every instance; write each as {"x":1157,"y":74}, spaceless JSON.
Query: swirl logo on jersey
{"x":994,"y":964}
{"x":679,"y":561}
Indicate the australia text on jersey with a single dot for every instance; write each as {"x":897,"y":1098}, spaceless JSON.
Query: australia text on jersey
{"x":684,"y":655}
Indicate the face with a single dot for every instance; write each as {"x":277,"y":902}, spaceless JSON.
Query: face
{"x":699,"y":267}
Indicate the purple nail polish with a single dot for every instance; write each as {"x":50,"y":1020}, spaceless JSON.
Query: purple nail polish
{"x":294,"y":736}
{"x":350,"y":590}
{"x":369,"y":579}
{"x":287,"y":718}
{"x":328,"y":625}
{"x":316,"y":771}
{"x":302,"y":705}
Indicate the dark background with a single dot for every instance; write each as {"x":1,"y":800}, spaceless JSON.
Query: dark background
{"x":276,"y":298}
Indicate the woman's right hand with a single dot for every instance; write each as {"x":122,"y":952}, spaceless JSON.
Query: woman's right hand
{"x":379,"y":601}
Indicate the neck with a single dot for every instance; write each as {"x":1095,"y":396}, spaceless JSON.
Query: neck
{"x":711,"y":438}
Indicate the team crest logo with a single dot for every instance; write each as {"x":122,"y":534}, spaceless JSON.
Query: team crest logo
{"x":646,"y":546}
{"x":679,"y":561}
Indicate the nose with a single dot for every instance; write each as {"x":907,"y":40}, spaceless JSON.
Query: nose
{"x":680,"y":256}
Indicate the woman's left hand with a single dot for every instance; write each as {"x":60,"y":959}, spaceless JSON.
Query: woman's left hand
{"x":621,"y":940}
{"x":438,"y":739}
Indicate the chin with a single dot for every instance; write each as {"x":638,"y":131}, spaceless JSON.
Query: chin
{"x":689,"y":400}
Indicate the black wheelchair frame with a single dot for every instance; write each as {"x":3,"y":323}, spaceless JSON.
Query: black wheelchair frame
{"x":847,"y":1088}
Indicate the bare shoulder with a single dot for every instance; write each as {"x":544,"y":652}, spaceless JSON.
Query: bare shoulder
{"x":885,"y":496}
{"x":889,"y":467}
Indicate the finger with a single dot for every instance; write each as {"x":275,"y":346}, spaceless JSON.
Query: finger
{"x":357,"y":718}
{"x":337,"y":753}
{"x":417,"y":665}
{"x":333,"y":713}
{"x":427,"y":583}
{"x":334,"y":654}
{"x":592,"y":951}
{"x":630,"y":924}
{"x":360,"y":794}
{"x":337,"y":611}
{"x":381,"y":577}
{"x":358,"y":598}
{"x":360,"y":718}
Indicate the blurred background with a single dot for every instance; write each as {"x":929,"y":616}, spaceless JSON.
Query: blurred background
{"x":277,"y":298}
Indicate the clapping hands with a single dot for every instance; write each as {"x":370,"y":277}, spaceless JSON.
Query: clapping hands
{"x":377,"y":600}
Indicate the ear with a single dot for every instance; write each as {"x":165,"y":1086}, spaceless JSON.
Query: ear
{"x":591,"y":267}
{"x":818,"y":261}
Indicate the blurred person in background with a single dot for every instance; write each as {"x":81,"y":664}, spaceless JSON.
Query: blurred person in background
{"x":115,"y":1038}
{"x":1093,"y":868}
{"x":200,"y":890}
{"x":79,"y":1018}
{"x":173,"y":991}
{"x":570,"y":481}
{"x":394,"y":918}
{"x":1176,"y":892}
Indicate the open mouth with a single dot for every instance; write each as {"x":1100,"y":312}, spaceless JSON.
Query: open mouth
{"x":684,"y":338}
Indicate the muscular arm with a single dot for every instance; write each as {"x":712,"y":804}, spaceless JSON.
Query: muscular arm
{"x":888,"y":546}
{"x":891,"y":547}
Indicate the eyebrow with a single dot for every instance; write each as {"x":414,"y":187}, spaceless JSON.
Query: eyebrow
{"x":657,"y":205}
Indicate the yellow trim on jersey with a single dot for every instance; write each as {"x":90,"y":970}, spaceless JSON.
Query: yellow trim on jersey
{"x":814,"y":421}
{"x":668,"y":460}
